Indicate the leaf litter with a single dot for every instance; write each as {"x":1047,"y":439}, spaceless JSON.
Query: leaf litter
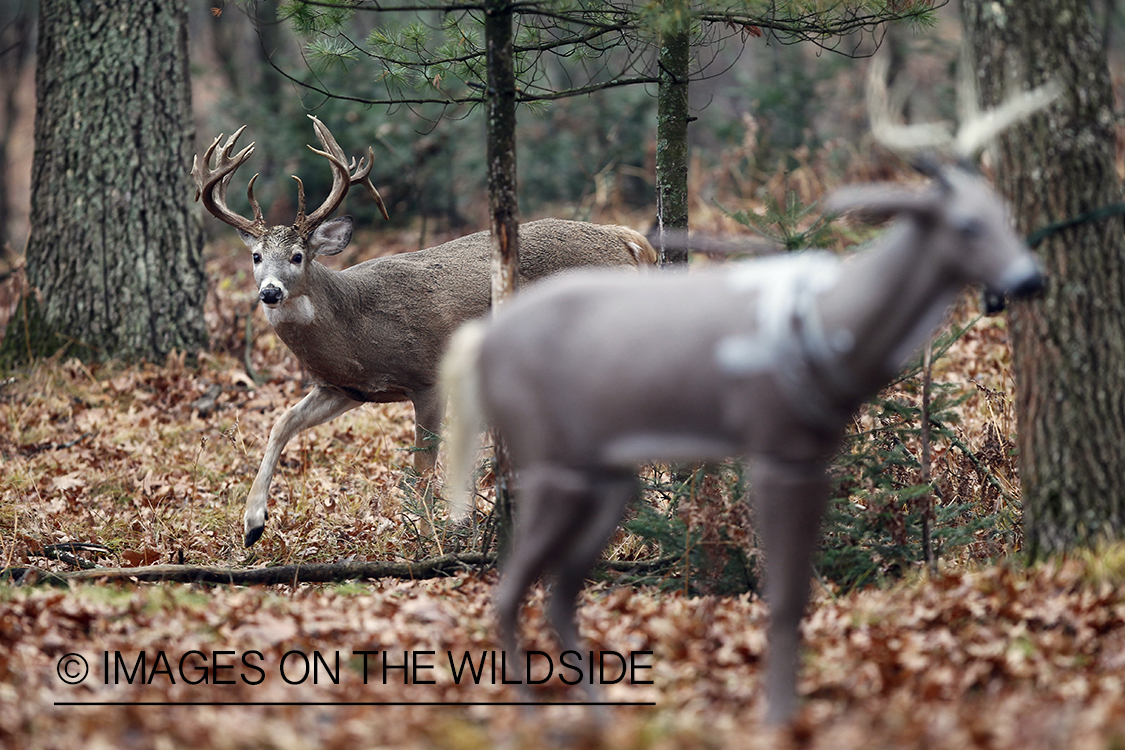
{"x":150,"y":464}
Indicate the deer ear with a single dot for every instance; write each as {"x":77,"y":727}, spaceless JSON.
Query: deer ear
{"x":882,"y":201}
{"x":332,"y":237}
{"x":248,"y":238}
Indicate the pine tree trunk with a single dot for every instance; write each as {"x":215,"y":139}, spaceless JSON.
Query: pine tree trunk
{"x":1069,"y":346}
{"x":502,"y":203}
{"x":114,"y":251}
{"x":672,"y":119}
{"x":503,"y":212}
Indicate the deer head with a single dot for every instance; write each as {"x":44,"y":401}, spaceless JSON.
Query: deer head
{"x":282,"y":253}
{"x":969,"y":226}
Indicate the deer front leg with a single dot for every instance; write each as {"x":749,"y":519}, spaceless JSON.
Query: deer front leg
{"x":790,"y":502}
{"x":318,"y":407}
{"x":429,"y":408}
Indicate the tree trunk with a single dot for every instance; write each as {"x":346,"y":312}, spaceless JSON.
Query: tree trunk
{"x":17,"y":25}
{"x":503,"y":211}
{"x":1069,"y":346}
{"x":115,"y":250}
{"x":502,"y":203}
{"x":672,"y":119}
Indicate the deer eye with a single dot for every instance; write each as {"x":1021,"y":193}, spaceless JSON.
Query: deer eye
{"x":296,"y":259}
{"x":971,"y":229}
{"x":257,"y":258}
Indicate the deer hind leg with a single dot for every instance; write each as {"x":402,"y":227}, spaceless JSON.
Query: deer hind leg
{"x":790,"y":503}
{"x":429,"y":408}
{"x":600,"y":514}
{"x":319,"y":406}
{"x":551,"y":512}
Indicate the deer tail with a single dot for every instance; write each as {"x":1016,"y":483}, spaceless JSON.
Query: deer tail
{"x":644,"y":254}
{"x":460,"y":382}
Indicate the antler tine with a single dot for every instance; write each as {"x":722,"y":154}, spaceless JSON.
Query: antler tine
{"x":360,"y":176}
{"x":968,"y":106}
{"x":259,"y":217}
{"x":324,"y":135}
{"x":903,"y":139}
{"x":977,"y":128}
{"x":342,"y":179}
{"x":211,"y":184}
{"x":300,"y":222}
{"x":983,"y":128}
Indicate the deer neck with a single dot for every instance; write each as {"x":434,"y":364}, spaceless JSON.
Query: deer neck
{"x":317,"y":324}
{"x":308,"y":304}
{"x":887,"y":302}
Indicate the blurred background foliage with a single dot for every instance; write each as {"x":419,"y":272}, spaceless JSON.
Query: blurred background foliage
{"x":765,"y":103}
{"x":755,"y":97}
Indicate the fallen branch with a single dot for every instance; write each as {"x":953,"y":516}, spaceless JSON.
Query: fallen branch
{"x":282,"y":574}
{"x":640,"y":566}
{"x":31,"y":450}
{"x":435,"y":567}
{"x":68,"y":553}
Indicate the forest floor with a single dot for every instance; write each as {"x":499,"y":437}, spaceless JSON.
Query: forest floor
{"x":153,"y":463}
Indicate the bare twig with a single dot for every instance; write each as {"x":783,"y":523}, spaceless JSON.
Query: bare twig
{"x":927,"y":499}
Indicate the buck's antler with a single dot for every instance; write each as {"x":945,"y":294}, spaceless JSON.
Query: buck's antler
{"x":977,"y":129}
{"x":211,"y":184}
{"x":343,"y":177}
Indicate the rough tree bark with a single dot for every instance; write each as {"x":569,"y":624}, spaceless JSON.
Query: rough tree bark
{"x":672,"y":119}
{"x":1069,"y":347}
{"x":503,"y":210}
{"x":17,"y":25}
{"x":114,"y":251}
{"x":501,"y":150}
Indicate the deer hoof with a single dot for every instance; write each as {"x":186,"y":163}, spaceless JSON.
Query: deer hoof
{"x":252,"y":535}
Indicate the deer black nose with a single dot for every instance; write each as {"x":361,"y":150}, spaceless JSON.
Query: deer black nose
{"x":1028,"y":280}
{"x":993,"y":301}
{"x":271,"y":295}
{"x":1028,"y":286}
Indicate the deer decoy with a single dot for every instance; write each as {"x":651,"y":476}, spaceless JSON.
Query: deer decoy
{"x":375,"y":332}
{"x":587,"y":376}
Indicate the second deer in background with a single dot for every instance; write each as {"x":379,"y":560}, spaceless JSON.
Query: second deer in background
{"x":375,"y":332}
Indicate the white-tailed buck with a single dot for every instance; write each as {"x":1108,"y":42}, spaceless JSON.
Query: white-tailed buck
{"x":375,"y":332}
{"x":588,"y":375}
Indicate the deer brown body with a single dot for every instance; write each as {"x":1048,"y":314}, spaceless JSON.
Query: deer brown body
{"x":376,"y":332}
{"x":393,"y":315}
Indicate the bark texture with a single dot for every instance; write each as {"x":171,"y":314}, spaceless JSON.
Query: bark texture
{"x":115,"y":250}
{"x":672,"y":119}
{"x":1069,"y":346}
{"x":503,"y":211}
{"x":17,"y":27}
{"x":502,"y":202}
